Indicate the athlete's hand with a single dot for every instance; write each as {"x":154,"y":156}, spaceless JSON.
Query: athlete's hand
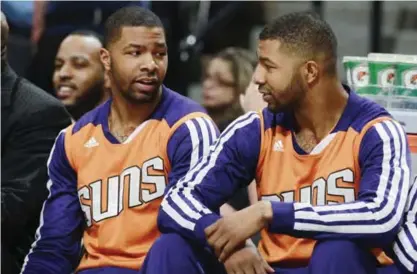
{"x":247,"y":260}
{"x":231,"y":231}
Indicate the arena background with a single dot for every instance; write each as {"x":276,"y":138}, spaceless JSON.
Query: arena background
{"x":198,"y":29}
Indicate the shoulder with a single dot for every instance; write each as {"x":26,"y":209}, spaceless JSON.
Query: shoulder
{"x":248,"y":124}
{"x":33,"y":100}
{"x":33,"y":107}
{"x":182,"y":108}
{"x":92,"y":118}
{"x":367,"y":113}
{"x":272,"y":120}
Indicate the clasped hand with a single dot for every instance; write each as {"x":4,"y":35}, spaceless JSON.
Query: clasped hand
{"x":228,"y":235}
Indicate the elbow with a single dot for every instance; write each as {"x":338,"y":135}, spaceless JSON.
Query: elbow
{"x":164,"y":221}
{"x":388,"y":234}
{"x":388,"y":221}
{"x":50,"y":261}
{"x":386,"y":239}
{"x":161,"y":221}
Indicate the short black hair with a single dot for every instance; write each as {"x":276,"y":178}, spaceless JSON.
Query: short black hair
{"x":129,"y":16}
{"x":90,"y":33}
{"x":304,"y":34}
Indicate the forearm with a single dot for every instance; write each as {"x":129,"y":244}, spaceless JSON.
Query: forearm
{"x":194,"y":201}
{"x":58,"y":238}
{"x":404,"y":249}
{"x":226,"y":209}
{"x":353,"y":221}
{"x":48,"y":262}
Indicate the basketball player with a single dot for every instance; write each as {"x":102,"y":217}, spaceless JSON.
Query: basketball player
{"x":332,"y":170}
{"x":108,"y":172}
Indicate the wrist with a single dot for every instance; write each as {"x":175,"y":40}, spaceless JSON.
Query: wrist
{"x":202,"y":224}
{"x":266,"y":212}
{"x":283,"y":218}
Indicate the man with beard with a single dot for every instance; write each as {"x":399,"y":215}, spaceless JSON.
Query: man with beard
{"x":108,"y":172}
{"x":332,"y":169}
{"x":79,"y":78}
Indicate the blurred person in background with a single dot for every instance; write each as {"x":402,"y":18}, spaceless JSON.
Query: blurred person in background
{"x":251,"y":100}
{"x":79,"y":78}
{"x":30,"y":122}
{"x":52,"y":21}
{"x":225,"y":77}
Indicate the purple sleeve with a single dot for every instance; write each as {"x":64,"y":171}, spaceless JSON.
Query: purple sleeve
{"x":375,"y":217}
{"x":188,"y":144}
{"x":193,"y":202}
{"x":58,"y":238}
{"x":405,"y":245}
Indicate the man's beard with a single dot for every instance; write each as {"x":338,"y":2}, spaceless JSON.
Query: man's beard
{"x":148,"y":98}
{"x":129,"y":94}
{"x":87,"y":102}
{"x":297,"y":91}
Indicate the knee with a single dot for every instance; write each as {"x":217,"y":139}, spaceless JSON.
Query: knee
{"x":340,"y":256}
{"x":336,"y":249}
{"x":172,"y":249}
{"x":171,"y":254}
{"x":168,"y":243}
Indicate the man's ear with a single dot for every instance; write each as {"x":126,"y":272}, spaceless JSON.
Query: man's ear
{"x":311,"y":71}
{"x":105,"y":58}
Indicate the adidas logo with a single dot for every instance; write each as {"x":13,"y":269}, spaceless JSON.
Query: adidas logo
{"x":91,"y":143}
{"x":278,"y":146}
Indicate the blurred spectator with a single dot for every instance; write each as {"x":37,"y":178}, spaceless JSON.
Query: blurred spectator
{"x":30,"y":122}
{"x":79,"y":78}
{"x":251,"y":100}
{"x":54,"y":20}
{"x":225,"y":78}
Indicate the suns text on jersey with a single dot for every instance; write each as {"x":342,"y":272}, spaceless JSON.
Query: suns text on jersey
{"x":321,"y":191}
{"x":140,"y":185}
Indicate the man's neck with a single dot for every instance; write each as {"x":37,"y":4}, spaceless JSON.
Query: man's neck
{"x":128,"y":114}
{"x":322,"y":109}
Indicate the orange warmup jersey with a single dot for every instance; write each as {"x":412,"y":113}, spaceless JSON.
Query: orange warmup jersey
{"x":353,"y":185}
{"x":115,"y":189}
{"x":330,"y":174}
